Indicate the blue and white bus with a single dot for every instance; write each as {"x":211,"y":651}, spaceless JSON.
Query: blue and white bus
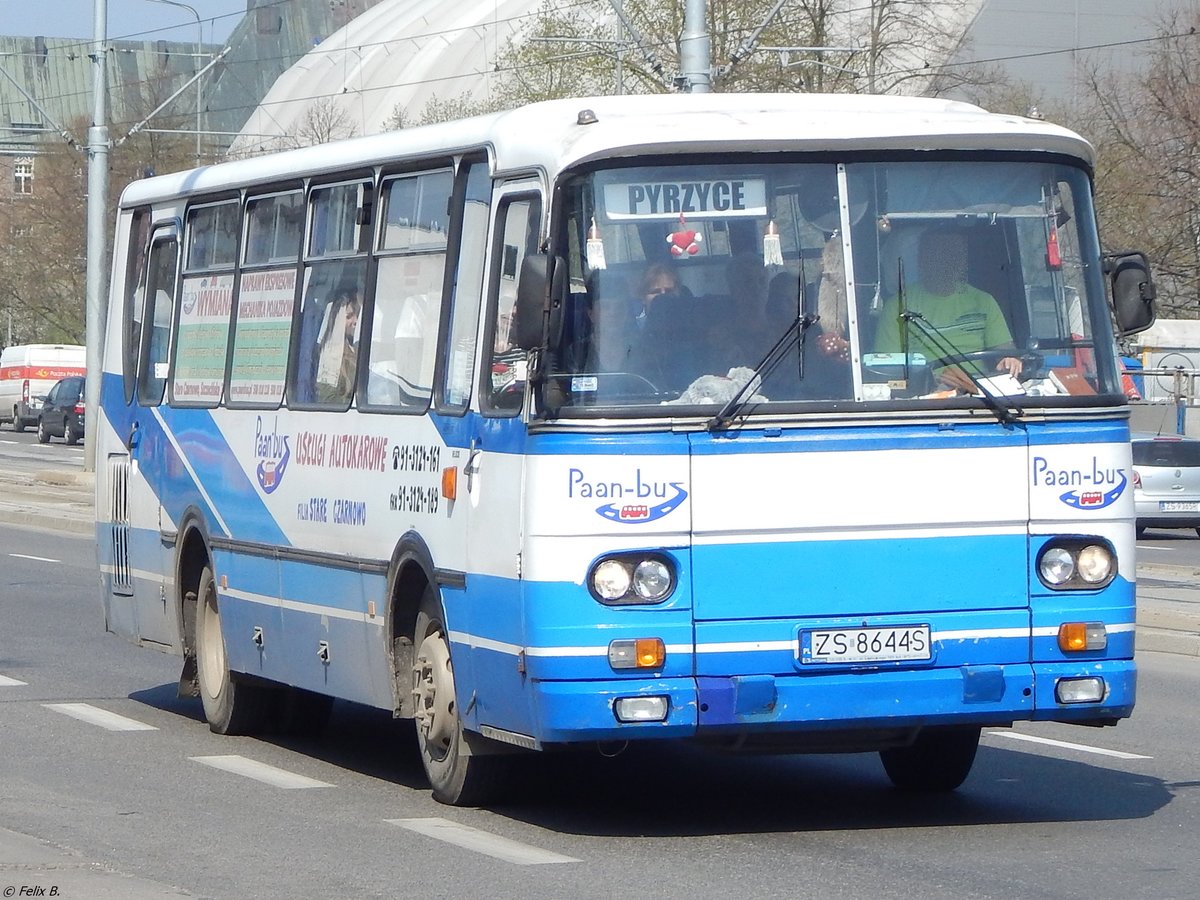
{"x":631,"y":419}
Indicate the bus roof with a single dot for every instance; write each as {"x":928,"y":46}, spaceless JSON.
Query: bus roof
{"x":551,"y":136}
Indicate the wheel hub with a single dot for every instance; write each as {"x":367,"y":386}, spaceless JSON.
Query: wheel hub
{"x":433,"y":691}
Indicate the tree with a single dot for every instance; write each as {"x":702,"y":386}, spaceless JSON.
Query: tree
{"x":324,"y":121}
{"x":43,"y":282}
{"x":1147,"y":132}
{"x":849,"y":46}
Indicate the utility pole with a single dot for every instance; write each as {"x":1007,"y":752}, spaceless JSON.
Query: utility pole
{"x":695,"y":55}
{"x":196,"y":79}
{"x":97,"y":233}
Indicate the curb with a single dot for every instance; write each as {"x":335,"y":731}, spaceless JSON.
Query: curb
{"x":1161,"y":640}
{"x":66,"y":479}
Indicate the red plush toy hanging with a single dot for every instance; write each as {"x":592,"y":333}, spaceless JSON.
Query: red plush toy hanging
{"x":685,"y":240}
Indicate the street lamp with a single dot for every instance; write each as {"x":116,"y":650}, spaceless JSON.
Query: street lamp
{"x":199,"y":47}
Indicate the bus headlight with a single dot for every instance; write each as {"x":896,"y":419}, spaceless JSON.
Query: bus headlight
{"x":1077,"y":564}
{"x":1056,"y":566}
{"x":652,"y":580}
{"x":1095,"y":564}
{"x":632,"y":578}
{"x":611,"y":580}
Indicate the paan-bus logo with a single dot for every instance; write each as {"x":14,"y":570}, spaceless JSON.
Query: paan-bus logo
{"x":273,"y":452}
{"x":1093,"y":487}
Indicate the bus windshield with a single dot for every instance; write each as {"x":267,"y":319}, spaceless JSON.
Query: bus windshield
{"x":906,"y":282}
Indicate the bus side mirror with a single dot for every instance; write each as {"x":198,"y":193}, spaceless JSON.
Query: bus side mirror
{"x":1133,"y":291}
{"x":540,"y":291}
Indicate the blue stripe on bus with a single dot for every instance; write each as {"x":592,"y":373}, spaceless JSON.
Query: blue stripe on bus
{"x":491,"y":433}
{"x":1045,"y":434}
{"x":235,"y":498}
{"x":829,"y":440}
{"x":860,"y":576}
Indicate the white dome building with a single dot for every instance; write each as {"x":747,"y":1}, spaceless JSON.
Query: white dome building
{"x":400,"y":53}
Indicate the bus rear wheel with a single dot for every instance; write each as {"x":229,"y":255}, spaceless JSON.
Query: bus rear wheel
{"x":460,"y":768}
{"x":938,"y":760}
{"x":230,"y":706}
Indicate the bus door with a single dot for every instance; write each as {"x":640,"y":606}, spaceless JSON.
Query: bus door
{"x":139,"y":470}
{"x":491,"y":525}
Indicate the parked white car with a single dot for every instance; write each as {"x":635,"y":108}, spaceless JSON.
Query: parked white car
{"x":1166,"y":481}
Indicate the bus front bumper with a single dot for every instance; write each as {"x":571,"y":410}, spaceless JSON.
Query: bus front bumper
{"x":883,"y":701}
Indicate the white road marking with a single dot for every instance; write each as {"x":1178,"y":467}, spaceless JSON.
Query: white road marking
{"x":482,"y":842}
{"x":5,"y":681}
{"x":34,"y":558}
{"x":1083,"y":748}
{"x":249,"y":768}
{"x":93,"y":715}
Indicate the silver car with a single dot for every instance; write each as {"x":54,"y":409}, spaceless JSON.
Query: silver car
{"x":1166,"y":481}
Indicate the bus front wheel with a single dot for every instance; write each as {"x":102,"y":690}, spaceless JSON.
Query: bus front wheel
{"x":938,"y":760}
{"x":460,"y":769}
{"x":230,"y":706}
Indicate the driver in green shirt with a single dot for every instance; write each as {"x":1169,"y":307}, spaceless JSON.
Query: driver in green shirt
{"x":967,"y":318}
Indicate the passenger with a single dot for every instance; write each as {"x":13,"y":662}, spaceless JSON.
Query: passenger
{"x":658,"y":279}
{"x":967,"y":318}
{"x":337,"y":358}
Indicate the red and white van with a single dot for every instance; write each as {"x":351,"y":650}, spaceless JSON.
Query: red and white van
{"x":28,"y":371}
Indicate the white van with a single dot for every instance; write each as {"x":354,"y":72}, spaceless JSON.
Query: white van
{"x":28,"y":371}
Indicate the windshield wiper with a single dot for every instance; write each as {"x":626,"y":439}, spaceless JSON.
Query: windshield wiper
{"x":793,"y":336}
{"x":950,"y":353}
{"x":938,"y":340}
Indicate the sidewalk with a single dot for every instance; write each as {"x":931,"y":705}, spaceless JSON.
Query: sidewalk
{"x":1168,"y":618}
{"x":57,"y":500}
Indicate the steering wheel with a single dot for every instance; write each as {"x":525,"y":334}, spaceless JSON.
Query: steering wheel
{"x":988,"y":360}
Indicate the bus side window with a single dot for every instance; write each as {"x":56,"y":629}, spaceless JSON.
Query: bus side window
{"x":408,"y":290}
{"x":135,"y":293}
{"x":517,"y":235}
{"x":266,"y":301}
{"x":201,"y":344}
{"x":156,"y":320}
{"x":327,"y":360}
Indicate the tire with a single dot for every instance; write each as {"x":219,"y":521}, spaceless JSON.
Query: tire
{"x":459,"y":764}
{"x":43,"y":433}
{"x":230,"y":706}
{"x":938,"y":760}
{"x":69,"y":434}
{"x":18,"y":423}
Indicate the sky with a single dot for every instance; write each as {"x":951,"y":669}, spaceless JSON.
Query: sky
{"x":127,"y":19}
